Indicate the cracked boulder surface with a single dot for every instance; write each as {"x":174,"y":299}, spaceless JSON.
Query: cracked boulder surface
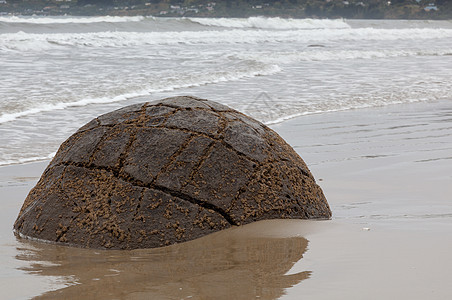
{"x":163,"y":172}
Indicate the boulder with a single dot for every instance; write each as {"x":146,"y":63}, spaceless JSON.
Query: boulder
{"x":158,"y":173}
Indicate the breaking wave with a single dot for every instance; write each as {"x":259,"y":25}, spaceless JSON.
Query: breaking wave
{"x":252,"y":22}
{"x":166,"y":86}
{"x":328,"y":55}
{"x":22,"y":41}
{"x":272,"y":23}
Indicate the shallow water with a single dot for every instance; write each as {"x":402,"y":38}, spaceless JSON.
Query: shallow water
{"x":225,"y":265}
{"x":396,"y":159}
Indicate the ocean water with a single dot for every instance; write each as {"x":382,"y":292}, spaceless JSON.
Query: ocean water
{"x":385,"y":172}
{"x":57,"y":73}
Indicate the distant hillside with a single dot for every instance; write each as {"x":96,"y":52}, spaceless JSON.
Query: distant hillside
{"x":363,"y":9}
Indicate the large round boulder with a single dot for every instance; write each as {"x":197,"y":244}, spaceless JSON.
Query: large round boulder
{"x":163,"y":172}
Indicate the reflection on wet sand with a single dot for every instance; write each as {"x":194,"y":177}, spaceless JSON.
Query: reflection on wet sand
{"x":232,"y":264}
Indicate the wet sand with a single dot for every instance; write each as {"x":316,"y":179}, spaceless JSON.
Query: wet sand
{"x":386,"y":173}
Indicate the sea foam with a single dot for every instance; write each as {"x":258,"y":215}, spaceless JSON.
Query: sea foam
{"x":22,"y":41}
{"x":272,"y":23}
{"x":337,"y":55}
{"x":165,"y":86}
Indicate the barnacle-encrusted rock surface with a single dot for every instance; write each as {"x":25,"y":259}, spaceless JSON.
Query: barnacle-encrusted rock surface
{"x":163,"y":172}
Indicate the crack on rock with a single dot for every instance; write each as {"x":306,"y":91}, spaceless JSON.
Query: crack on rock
{"x":198,"y":133}
{"x":96,"y":148}
{"x":140,"y":201}
{"x":138,"y":183}
{"x":178,"y":108}
{"x":142,"y":118}
{"x":217,"y":138}
{"x":239,"y":153}
{"x":122,"y":157}
{"x":198,"y":202}
{"x":199,"y":164}
{"x":222,"y":123}
{"x":165,"y":116}
{"x":250,"y":180}
{"x":174,"y":157}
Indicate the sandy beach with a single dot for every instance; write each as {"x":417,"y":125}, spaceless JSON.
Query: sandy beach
{"x":386,"y":173}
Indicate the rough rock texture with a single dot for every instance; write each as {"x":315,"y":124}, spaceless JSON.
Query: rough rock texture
{"x":159,"y":173}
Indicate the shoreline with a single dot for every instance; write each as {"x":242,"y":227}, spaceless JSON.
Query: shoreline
{"x":385,"y":172}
